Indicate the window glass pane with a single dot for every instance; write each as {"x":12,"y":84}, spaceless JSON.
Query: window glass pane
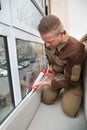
{"x":40,"y":2}
{"x":27,"y":13}
{"x":6,"y":104}
{"x":30,"y":57}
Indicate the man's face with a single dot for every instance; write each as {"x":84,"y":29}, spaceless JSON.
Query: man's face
{"x":51,"y":40}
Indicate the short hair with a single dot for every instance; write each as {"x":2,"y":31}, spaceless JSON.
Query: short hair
{"x":50,"y":23}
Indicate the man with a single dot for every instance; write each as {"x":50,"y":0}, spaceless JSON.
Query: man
{"x":65,"y":55}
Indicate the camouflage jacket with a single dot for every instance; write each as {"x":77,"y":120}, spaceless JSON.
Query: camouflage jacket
{"x":66,"y":58}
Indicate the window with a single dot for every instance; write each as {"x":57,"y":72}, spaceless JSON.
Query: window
{"x":30,"y":57}
{"x":6,"y":101}
{"x":40,"y":2}
{"x":21,"y":58}
{"x":26,"y":14}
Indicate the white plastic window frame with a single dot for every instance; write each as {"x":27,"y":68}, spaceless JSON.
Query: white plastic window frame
{"x":6,"y":31}
{"x":41,"y":8}
{"x":18,"y":34}
{"x":12,"y":34}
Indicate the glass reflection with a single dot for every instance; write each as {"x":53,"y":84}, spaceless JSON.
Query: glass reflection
{"x":30,"y":57}
{"x":40,"y":2}
{"x":27,"y":13}
{"x":6,"y":104}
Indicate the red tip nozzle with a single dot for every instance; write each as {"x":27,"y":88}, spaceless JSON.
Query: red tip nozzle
{"x":44,"y":70}
{"x":35,"y":88}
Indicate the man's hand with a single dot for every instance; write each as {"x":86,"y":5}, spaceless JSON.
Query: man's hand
{"x":42,"y":84}
{"x":50,"y":72}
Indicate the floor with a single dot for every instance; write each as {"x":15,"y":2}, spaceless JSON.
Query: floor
{"x":51,"y":117}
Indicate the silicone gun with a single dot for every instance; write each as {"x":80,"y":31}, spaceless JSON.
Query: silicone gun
{"x":38,"y":79}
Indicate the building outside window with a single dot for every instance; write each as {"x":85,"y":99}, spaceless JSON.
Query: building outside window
{"x":6,"y":101}
{"x":30,"y":57}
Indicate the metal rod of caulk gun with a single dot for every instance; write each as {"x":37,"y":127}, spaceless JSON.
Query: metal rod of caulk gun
{"x":38,"y":79}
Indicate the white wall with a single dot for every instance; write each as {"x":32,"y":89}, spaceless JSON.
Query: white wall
{"x":60,"y":9}
{"x":73,"y":15}
{"x":77,"y":17}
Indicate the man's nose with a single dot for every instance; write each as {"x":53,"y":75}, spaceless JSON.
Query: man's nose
{"x":47,"y":44}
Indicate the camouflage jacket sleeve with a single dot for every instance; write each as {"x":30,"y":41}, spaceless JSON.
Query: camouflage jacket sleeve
{"x":72,"y":72}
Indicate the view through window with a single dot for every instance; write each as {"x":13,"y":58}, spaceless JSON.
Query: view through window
{"x":6,"y":104}
{"x":30,"y":57}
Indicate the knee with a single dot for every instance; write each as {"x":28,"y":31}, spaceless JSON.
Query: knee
{"x":48,"y":97}
{"x":71,"y":109}
{"x":71,"y":102}
{"x":47,"y":101}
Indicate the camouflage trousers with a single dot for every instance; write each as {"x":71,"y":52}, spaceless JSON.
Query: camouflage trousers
{"x":71,"y":99}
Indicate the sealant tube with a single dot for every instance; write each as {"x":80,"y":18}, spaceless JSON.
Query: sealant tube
{"x":39,"y":78}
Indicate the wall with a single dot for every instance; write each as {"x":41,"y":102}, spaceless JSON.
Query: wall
{"x":73,"y":15}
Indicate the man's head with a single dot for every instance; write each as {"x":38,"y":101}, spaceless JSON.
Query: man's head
{"x":51,"y":29}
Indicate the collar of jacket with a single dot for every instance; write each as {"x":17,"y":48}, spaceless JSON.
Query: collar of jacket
{"x":63,"y":42}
